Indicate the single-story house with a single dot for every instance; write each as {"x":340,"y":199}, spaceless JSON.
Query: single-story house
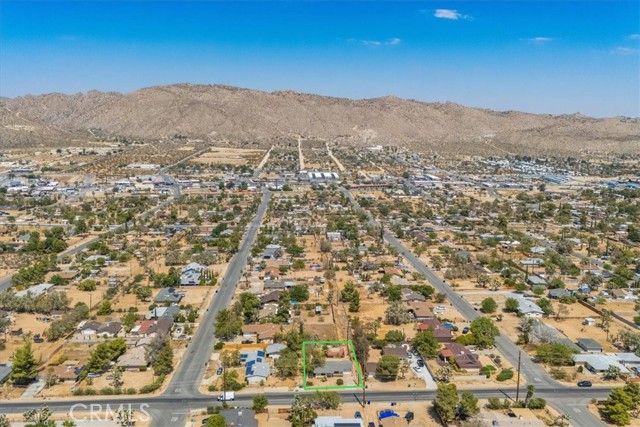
{"x":168,"y":295}
{"x":370,"y":369}
{"x":240,"y":417}
{"x":260,"y":332}
{"x":271,"y":297}
{"x":172,"y":311}
{"x":273,"y":350}
{"x":109,"y":329}
{"x":335,"y":421}
{"x":5,"y":372}
{"x":256,"y":372}
{"x":528,"y":308}
{"x":462,"y":356}
{"x":598,"y":363}
{"x":69,"y":371}
{"x":134,"y":358}
{"x":437,"y":328}
{"x":534,"y":280}
{"x":152,"y":328}
{"x":35,"y":290}
{"x":420,"y":310}
{"x":411,"y":295}
{"x":532,"y":262}
{"x":589,"y":345}
{"x":399,"y":352}
{"x":558,"y":293}
{"x":333,"y":368}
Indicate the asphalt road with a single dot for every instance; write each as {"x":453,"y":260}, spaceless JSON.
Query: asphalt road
{"x":185,"y":382}
{"x":532,"y":372}
{"x":168,"y":407}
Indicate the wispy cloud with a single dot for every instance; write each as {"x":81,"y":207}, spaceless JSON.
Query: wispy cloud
{"x":620,"y":50}
{"x":633,"y":37}
{"x":451,"y":14}
{"x":539,"y":40}
{"x":376,"y":43}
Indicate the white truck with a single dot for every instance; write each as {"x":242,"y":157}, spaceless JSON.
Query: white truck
{"x":227,"y":395}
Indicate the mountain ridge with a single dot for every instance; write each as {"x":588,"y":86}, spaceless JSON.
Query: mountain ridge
{"x":222,"y":113}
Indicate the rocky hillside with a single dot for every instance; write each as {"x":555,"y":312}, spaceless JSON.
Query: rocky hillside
{"x":221,"y":114}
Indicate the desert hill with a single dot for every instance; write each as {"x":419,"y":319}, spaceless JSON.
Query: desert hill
{"x":221,"y":114}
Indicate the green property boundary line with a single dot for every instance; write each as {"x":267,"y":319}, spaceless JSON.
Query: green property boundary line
{"x":352,"y":349}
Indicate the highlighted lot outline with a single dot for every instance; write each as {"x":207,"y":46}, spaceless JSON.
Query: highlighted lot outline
{"x":354,"y":360}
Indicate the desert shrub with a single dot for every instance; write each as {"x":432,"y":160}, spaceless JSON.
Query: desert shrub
{"x":537,"y":403}
{"x":505,"y":374}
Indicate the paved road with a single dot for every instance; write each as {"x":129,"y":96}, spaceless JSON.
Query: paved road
{"x":167,"y":406}
{"x":187,"y":378}
{"x":532,"y":372}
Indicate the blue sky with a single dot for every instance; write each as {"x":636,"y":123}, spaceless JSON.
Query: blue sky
{"x":543,"y":57}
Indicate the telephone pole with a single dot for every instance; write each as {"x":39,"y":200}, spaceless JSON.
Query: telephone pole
{"x":518,"y":381}
{"x":224,"y":386}
{"x":364,"y":385}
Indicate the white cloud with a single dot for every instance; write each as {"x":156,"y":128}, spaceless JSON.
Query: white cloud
{"x":624,"y":51}
{"x":377,"y":43}
{"x":633,"y":37}
{"x":452,"y":14}
{"x":539,"y":40}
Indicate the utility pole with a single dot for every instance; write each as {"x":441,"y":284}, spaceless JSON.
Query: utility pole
{"x":364,"y":385}
{"x":224,"y":385}
{"x":518,"y":381}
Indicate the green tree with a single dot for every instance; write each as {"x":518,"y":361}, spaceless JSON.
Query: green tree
{"x":25,"y":366}
{"x":105,"y":308}
{"x":228,"y":325}
{"x":299,"y":293}
{"x":387,"y":368}
{"x":511,"y":305}
{"x":545,"y":306}
{"x":488,"y":305}
{"x":4,"y":421}
{"x":260,"y":402}
{"x":38,"y":417}
{"x":287,"y":365}
{"x":302,"y":413}
{"x":425,"y":344}
{"x":216,"y":420}
{"x":555,"y":354}
{"x":446,"y":401}
{"x":361,"y":342}
{"x":484,"y":332}
{"x":468,"y":405}
{"x":163,"y":360}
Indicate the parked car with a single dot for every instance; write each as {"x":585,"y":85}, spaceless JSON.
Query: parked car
{"x":417,"y":368}
{"x":465,"y":330}
{"x":420,"y":362}
{"x":358,"y":414}
{"x":219,"y":371}
{"x":205,"y":420}
{"x":584,"y":384}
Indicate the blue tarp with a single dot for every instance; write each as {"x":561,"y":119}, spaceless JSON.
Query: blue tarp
{"x":387,"y":413}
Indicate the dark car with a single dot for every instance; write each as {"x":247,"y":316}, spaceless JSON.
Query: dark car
{"x":205,"y":420}
{"x":465,"y":330}
{"x":358,"y":414}
{"x":584,"y":384}
{"x":420,"y":363}
{"x":372,"y":424}
{"x":219,"y":371}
